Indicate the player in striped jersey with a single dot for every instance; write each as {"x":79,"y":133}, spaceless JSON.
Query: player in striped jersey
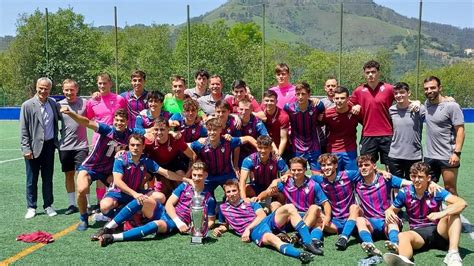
{"x":188,"y":123}
{"x":262,"y":167}
{"x":430,"y":226}
{"x":250,"y":222}
{"x":146,"y":118}
{"x":137,"y":97}
{"x":304,"y":121}
{"x":176,"y":218}
{"x":98,"y":165}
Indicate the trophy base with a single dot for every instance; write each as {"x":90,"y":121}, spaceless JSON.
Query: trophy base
{"x":196,"y":240}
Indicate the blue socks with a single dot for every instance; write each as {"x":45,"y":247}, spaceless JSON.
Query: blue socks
{"x":317,"y":233}
{"x":348,"y":228}
{"x":140,"y":232}
{"x":290,"y":250}
{"x":303,"y":230}
{"x":393,"y":236}
{"x":365,"y":236}
{"x":127,"y":212}
{"x":84,"y":217}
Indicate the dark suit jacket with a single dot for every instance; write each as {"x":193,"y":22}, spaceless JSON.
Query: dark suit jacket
{"x":32,"y":128}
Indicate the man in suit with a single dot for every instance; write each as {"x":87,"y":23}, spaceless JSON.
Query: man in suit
{"x":39,"y":137}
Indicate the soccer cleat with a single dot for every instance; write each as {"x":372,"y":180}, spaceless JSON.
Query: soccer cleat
{"x":313,"y":248}
{"x":71,"y":209}
{"x":82,"y":226}
{"x":318,"y":243}
{"x":50,"y":211}
{"x":370,"y":249}
{"x":106,"y":240}
{"x":396,"y":260}
{"x":284,"y":237}
{"x":391,"y":247}
{"x":102,"y":231}
{"x":341,"y":243}
{"x":305,"y":257}
{"x":30,"y":213}
{"x":453,"y":259}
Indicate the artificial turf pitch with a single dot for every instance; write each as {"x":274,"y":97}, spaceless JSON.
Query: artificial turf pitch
{"x":75,"y":247}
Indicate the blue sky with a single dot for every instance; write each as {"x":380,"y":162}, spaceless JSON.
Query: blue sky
{"x":457,"y":12}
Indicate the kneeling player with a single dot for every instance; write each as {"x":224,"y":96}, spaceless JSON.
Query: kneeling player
{"x":177,"y":216}
{"x":429,"y":226}
{"x":250,"y":222}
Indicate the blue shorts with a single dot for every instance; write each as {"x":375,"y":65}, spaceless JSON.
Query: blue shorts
{"x":212,"y":182}
{"x":267,"y":225}
{"x":346,"y":160}
{"x":171,"y":226}
{"x":378,"y":225}
{"x":94,"y":175}
{"x":339,"y":223}
{"x":312,"y":158}
{"x":123,"y":198}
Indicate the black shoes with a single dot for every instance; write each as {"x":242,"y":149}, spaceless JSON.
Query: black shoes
{"x":71,"y":209}
{"x":341,"y":243}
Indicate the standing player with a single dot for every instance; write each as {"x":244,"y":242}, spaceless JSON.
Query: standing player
{"x":98,"y":165}
{"x":74,"y":145}
{"x":277,"y":122}
{"x":430,"y":227}
{"x":445,"y":134}
{"x":405,"y":149}
{"x":188,"y":123}
{"x":262,"y":167}
{"x":250,"y":222}
{"x":341,"y":130}
{"x":136,"y":98}
{"x":208,"y":102}
{"x":329,"y":87}
{"x":239,"y":89}
{"x":201,"y":78}
{"x":146,"y":118}
{"x":304,"y":120}
{"x":173,"y":102}
{"x":177,"y":216}
{"x":285,"y":91}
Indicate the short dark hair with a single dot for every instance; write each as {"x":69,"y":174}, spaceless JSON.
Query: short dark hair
{"x":161,"y":121}
{"x":371,"y":64}
{"x":178,"y":78}
{"x":122,"y":113}
{"x":270,"y":93}
{"x":141,"y":138}
{"x":282,"y":67}
{"x":299,"y":160}
{"x":104,"y":76}
{"x":264,"y":140}
{"x":431,"y":78}
{"x":238,"y":83}
{"x":213,"y":122}
{"x":223,"y":104}
{"x":201,"y":73}
{"x":401,"y":86}
{"x":420,"y":167}
{"x":303,"y":86}
{"x":366,"y":157}
{"x":156,"y":95}
{"x":327,"y":156}
{"x":231,"y":182}
{"x":190,"y":103}
{"x":341,"y":89}
{"x":138,"y":73}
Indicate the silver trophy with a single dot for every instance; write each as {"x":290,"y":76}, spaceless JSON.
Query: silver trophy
{"x":198,"y":219}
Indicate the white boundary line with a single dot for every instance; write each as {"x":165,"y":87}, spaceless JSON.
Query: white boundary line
{"x":17,"y":149}
{"x":17,"y":137}
{"x":11,"y":160}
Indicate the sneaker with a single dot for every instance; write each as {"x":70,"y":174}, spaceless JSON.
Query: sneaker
{"x":100,"y":232}
{"x":50,"y":211}
{"x":341,"y":243}
{"x":30,"y":213}
{"x":82,"y":226}
{"x":313,"y":248}
{"x":391,"y":247}
{"x":99,"y":217}
{"x":106,"y":240}
{"x":305,"y":257}
{"x":396,"y":260}
{"x":71,"y":209}
{"x":370,"y":249}
{"x":453,"y":259}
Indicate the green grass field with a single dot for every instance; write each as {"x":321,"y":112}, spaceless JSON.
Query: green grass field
{"x":76,"y":248}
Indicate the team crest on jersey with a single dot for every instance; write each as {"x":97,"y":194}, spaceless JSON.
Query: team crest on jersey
{"x":243,"y":206}
{"x":377,"y":185}
{"x":271,"y":167}
{"x":310,"y":112}
{"x":142,"y":168}
{"x":228,"y":208}
{"x":382,"y":88}
{"x":129,"y":167}
{"x":250,"y":131}
{"x":193,"y":131}
{"x":222,"y":149}
{"x":341,"y":182}
{"x":306,"y":190}
{"x":349,"y":115}
{"x":169,"y":148}
{"x":228,"y":130}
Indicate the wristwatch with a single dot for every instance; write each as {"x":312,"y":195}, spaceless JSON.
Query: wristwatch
{"x":458,"y":153}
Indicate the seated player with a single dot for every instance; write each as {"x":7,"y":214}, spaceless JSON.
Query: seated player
{"x":339,"y":188}
{"x":262,"y":167}
{"x":98,"y":165}
{"x":129,"y":173}
{"x":230,"y":123}
{"x":430,"y":226}
{"x":188,"y":123}
{"x":215,"y":151}
{"x":146,"y":118}
{"x":251,"y":223}
{"x":374,"y":191}
{"x":164,"y":149}
{"x":305,"y":194}
{"x":304,"y":121}
{"x":176,"y":218}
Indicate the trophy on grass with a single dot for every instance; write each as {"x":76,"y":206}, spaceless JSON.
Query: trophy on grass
{"x":198,"y":219}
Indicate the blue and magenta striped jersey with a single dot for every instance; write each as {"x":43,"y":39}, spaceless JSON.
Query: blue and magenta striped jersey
{"x":302,"y":197}
{"x":101,"y":158}
{"x":264,"y":173}
{"x":145,"y":120}
{"x":239,"y":216}
{"x":134,"y":105}
{"x":218,"y":159}
{"x":190,"y":133}
{"x":253,"y":128}
{"x":418,"y":209}
{"x":134,"y":174}
{"x":229,"y":128}
{"x":375,"y":198}
{"x":185,"y":193}
{"x":340,"y":192}
{"x":304,"y":126}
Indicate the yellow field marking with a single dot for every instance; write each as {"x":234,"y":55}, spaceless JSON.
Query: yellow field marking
{"x":32,"y":249}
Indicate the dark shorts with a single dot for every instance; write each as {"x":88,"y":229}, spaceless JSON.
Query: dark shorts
{"x":267,"y":225}
{"x":436,"y":167}
{"x":401,"y":167}
{"x":375,"y":146}
{"x":123,"y":198}
{"x":71,"y":160}
{"x":433,"y":240}
{"x":94,"y":175}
